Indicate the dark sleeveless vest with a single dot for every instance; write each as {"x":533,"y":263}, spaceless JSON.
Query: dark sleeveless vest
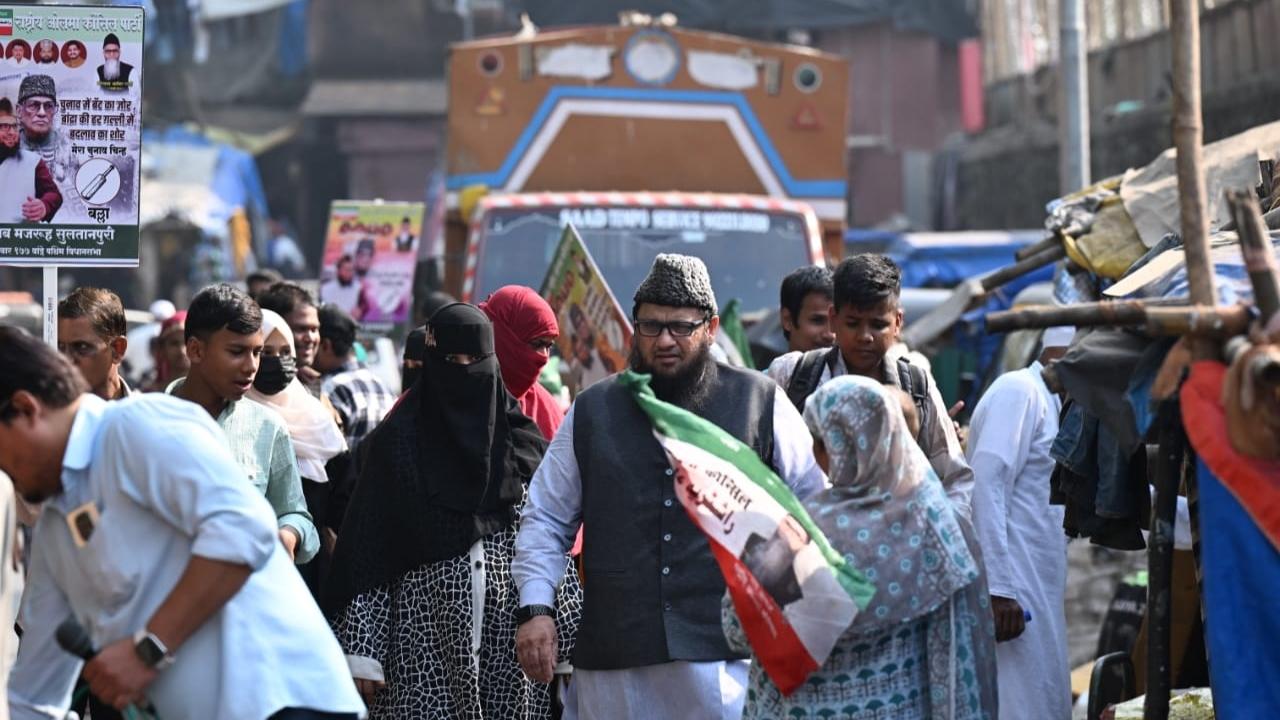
{"x":652,"y":591}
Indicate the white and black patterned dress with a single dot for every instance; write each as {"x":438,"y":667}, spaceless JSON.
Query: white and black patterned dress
{"x":419,"y":629}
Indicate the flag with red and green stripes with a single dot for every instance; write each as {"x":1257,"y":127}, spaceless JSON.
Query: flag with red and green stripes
{"x":794,"y":594}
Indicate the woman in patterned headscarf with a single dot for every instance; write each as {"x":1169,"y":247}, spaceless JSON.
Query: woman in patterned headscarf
{"x":924,"y":647}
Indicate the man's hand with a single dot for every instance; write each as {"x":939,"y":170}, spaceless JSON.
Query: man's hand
{"x":536,"y":648}
{"x":289,"y":537}
{"x":118,"y":676}
{"x":368,"y":688}
{"x":1010,"y":620}
{"x":33,"y":210}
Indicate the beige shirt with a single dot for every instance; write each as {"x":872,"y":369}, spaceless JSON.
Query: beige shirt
{"x":937,"y":436}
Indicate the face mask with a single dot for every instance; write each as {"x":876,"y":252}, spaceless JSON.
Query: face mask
{"x":274,"y":374}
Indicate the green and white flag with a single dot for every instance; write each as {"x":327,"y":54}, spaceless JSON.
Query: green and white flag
{"x":793,"y":593}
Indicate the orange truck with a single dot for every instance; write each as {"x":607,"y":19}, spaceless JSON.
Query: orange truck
{"x":649,"y":138}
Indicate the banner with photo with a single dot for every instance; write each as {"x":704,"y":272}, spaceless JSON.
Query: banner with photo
{"x":595,"y":335}
{"x":70,"y":134}
{"x":793,"y":592}
{"x":370,"y":254}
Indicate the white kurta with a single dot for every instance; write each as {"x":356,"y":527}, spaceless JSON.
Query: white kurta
{"x":1023,"y":544}
{"x":669,"y":691}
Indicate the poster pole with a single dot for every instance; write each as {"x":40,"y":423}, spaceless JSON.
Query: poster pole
{"x":50,"y":305}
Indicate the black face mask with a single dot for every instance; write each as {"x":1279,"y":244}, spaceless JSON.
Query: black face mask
{"x":274,"y":374}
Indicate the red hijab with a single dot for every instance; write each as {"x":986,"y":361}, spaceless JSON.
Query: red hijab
{"x":519,"y":316}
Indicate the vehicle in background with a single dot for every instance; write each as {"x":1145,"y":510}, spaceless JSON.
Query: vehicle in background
{"x":749,"y":243}
{"x":643,"y":109}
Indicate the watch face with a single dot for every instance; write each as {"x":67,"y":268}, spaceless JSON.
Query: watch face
{"x":149,"y":652}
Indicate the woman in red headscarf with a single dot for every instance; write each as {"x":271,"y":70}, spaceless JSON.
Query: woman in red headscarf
{"x":525,"y":330}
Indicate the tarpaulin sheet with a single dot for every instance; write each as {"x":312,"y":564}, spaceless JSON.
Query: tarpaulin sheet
{"x":1165,"y":276}
{"x":948,"y":259}
{"x":1151,"y":193}
{"x":1241,"y":583}
{"x":950,"y":20}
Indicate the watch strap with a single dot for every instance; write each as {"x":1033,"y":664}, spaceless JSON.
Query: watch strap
{"x":528,"y":612}
{"x":151,"y":651}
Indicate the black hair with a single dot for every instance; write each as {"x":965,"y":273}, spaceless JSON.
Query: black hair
{"x":337,"y":327}
{"x":28,"y":364}
{"x":267,"y":275}
{"x":285,"y":297}
{"x":219,"y":307}
{"x":405,"y":220}
{"x":6,"y":106}
{"x":346,"y":258}
{"x":865,"y":281}
{"x":799,"y":285}
{"x":102,"y":307}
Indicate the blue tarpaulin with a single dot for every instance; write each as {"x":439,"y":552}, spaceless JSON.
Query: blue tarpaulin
{"x":947,"y":259}
{"x":1241,"y":583}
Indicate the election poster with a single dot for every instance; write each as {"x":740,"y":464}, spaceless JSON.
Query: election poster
{"x":70,"y":134}
{"x":595,"y":335}
{"x":369,"y":257}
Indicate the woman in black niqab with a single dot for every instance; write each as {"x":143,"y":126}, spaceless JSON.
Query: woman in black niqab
{"x":420,"y":594}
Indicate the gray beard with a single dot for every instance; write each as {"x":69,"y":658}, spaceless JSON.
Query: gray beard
{"x":111,"y":70}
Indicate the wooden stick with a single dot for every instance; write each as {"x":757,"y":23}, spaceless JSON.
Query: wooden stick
{"x":1255,"y":245}
{"x":1158,"y":318}
{"x":1188,"y":138}
{"x":1032,"y":249}
{"x":1025,"y":266}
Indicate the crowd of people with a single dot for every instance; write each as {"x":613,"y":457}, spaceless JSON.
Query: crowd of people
{"x":471,"y":549}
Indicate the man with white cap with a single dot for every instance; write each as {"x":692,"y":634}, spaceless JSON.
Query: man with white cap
{"x":1021,"y":535}
{"x":650,"y":646}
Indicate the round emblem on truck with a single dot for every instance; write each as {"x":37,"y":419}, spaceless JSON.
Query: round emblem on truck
{"x":652,"y":57}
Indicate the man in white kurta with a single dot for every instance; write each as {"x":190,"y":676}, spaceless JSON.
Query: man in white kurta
{"x":1023,"y":544}
{"x":656,"y":650}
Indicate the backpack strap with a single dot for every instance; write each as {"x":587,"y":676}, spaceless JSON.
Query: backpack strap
{"x":808,"y":374}
{"x":914,"y":381}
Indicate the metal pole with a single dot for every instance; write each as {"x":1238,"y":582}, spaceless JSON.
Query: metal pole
{"x":1188,"y":138}
{"x":50,"y":305}
{"x":1073,"y":62}
{"x":1160,"y":561}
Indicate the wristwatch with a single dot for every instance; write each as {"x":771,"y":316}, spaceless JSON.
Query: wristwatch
{"x":529,"y":612}
{"x":151,"y":651}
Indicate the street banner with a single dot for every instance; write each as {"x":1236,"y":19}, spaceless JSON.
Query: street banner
{"x":595,"y":335}
{"x":370,"y":254}
{"x":70,"y":134}
{"x":794,"y":594}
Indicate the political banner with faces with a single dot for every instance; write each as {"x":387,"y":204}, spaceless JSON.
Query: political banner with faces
{"x":70,"y":134}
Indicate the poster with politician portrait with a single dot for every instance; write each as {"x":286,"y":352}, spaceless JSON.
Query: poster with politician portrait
{"x":370,"y":255}
{"x":70,"y":134}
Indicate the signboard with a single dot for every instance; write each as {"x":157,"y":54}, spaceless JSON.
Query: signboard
{"x":369,"y":258}
{"x":595,"y":335}
{"x":70,"y":134}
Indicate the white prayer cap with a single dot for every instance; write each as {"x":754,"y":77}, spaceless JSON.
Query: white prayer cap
{"x":1058,"y":337}
{"x":162,"y":310}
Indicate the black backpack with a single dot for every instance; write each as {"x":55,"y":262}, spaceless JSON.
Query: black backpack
{"x":807,"y":376}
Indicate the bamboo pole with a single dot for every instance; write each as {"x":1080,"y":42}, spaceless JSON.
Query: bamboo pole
{"x":1188,"y":137}
{"x":1255,"y":245}
{"x":1157,"y":318}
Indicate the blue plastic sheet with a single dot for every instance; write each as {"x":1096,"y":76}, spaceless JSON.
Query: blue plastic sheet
{"x":1241,"y":585}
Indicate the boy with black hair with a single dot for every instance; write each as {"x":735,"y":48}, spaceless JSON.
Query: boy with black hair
{"x":806,"y":309}
{"x":293,"y":303}
{"x":91,"y":334}
{"x":866,"y":317}
{"x":224,"y":343}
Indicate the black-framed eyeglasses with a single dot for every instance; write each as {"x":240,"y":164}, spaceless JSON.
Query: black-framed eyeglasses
{"x":677,"y":328}
{"x":8,"y":127}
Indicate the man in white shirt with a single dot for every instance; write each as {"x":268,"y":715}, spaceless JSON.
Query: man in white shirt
{"x":1021,"y":535}
{"x":153,"y":543}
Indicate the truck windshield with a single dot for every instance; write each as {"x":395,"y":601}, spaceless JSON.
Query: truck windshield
{"x":747,"y":252}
